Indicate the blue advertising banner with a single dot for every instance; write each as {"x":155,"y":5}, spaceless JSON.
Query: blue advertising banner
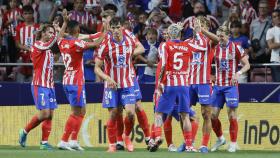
{"x":20,"y":93}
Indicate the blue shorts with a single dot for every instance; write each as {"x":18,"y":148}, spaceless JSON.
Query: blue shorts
{"x":168,"y":99}
{"x":137,"y":91}
{"x":148,"y":79}
{"x":44,"y":98}
{"x":76,"y":95}
{"x":114,"y":98}
{"x":176,"y":115}
{"x":225,"y":94}
{"x":200,"y":93}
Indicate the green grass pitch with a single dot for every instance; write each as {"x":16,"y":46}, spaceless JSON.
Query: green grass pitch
{"x":34,"y":152}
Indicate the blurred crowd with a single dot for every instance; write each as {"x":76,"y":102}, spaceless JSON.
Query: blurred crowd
{"x":254,"y":24}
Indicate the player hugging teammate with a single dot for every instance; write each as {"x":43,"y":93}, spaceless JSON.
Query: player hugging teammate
{"x":182,"y":80}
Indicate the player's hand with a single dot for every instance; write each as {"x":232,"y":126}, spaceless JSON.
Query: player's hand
{"x":56,"y":26}
{"x":65,"y":15}
{"x":160,"y":89}
{"x":234,"y":80}
{"x":181,"y":25}
{"x":213,"y":79}
{"x":197,"y":25}
{"x":111,"y":83}
{"x":150,"y":63}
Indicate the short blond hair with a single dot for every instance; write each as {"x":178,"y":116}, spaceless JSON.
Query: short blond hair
{"x":174,"y":30}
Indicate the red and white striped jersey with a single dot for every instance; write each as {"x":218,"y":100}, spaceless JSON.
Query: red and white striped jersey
{"x":226,"y":62}
{"x":25,"y":34}
{"x":248,"y":13}
{"x":117,"y":59}
{"x":82,"y":17}
{"x":229,"y":3}
{"x":200,"y":61}
{"x":72,"y":53}
{"x":214,"y":23}
{"x":175,"y":58}
{"x":96,"y":20}
{"x":43,"y":60}
{"x":93,"y":3}
{"x":12,"y":15}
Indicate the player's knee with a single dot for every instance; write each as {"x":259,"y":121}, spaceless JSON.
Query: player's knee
{"x":130,"y":115}
{"x":138,"y":106}
{"x":214,"y":116}
{"x":113,"y":113}
{"x":232,"y":114}
{"x":83,"y":112}
{"x":45,"y":115}
{"x":206,"y":116}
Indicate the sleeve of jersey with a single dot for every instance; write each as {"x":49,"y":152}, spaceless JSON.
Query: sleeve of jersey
{"x":163,"y":54}
{"x":198,"y":47}
{"x":239,"y":52}
{"x":131,"y":35}
{"x":80,"y":45}
{"x":101,"y":53}
{"x":46,"y":45}
{"x":95,"y":36}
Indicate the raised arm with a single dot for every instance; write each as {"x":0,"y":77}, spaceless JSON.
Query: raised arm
{"x":66,"y":18}
{"x":214,"y":38}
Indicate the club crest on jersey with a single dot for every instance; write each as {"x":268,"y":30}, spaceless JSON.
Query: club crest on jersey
{"x":121,"y":61}
{"x":224,"y":66}
{"x":29,"y":42}
{"x":196,"y":58}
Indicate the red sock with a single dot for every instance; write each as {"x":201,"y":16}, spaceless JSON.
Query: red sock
{"x":46,"y":129}
{"x":168,"y":130}
{"x":153,"y":133}
{"x":158,"y":131}
{"x":34,"y":122}
{"x":143,"y":122}
{"x":188,"y":138}
{"x":120,"y":127}
{"x":217,"y":127}
{"x":129,"y":123}
{"x":194,"y":129}
{"x":68,"y":128}
{"x":233,"y":130}
{"x":111,"y":130}
{"x":77,"y":127}
{"x":205,"y":139}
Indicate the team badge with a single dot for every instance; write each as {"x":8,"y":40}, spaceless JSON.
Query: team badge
{"x":121,"y":60}
{"x":224,"y":66}
{"x":196,"y":58}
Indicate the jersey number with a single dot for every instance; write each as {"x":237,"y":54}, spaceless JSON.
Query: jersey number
{"x":67,"y":60}
{"x":178,"y":61}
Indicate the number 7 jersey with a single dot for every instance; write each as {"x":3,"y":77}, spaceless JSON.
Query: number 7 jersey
{"x":175,"y":56}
